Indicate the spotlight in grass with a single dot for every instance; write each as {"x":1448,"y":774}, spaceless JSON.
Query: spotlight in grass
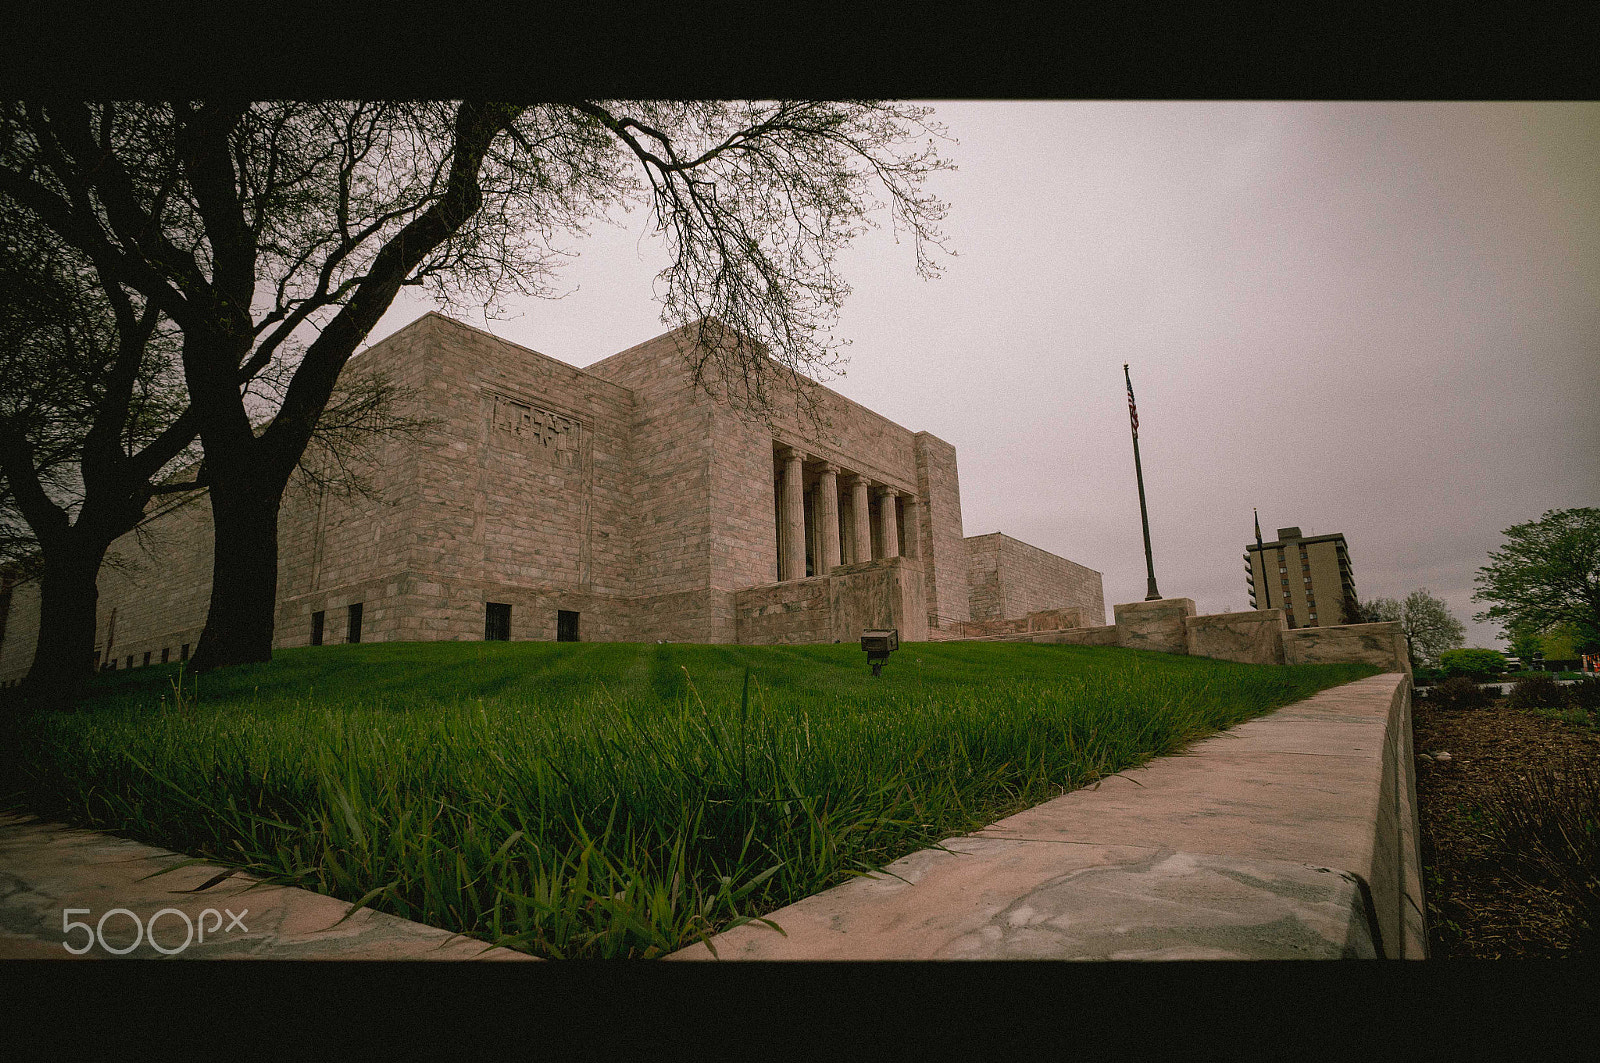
{"x":879,"y":644}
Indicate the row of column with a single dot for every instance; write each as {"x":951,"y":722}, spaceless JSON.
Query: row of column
{"x":793,"y":528}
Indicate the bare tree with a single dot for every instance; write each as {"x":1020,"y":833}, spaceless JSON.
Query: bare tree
{"x":275,"y":235}
{"x":92,"y":412}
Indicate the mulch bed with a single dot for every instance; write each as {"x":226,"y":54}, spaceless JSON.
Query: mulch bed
{"x":1476,"y":908}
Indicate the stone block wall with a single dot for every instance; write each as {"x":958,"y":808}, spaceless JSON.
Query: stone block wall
{"x":670,"y":459}
{"x":526,"y":480}
{"x":837,"y":607}
{"x":795,"y":611}
{"x":1380,"y":644}
{"x":942,"y":543}
{"x":1104,"y":635}
{"x":744,"y":550}
{"x":1170,"y":625}
{"x":1255,"y":637}
{"x":516,"y":493}
{"x":21,"y":632}
{"x":878,"y":595}
{"x":329,"y":539}
{"x":1007,"y":578}
{"x":1157,"y":625}
{"x":1042,"y":620}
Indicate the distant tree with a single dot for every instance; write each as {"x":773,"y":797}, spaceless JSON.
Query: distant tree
{"x":1429,"y":627}
{"x":1546,"y":576}
{"x":274,"y":236}
{"x":1527,"y":646}
{"x":1378,"y":610}
{"x":1352,"y":611}
{"x":1565,"y":642}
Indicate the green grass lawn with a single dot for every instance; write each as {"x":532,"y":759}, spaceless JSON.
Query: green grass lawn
{"x":609,"y":799}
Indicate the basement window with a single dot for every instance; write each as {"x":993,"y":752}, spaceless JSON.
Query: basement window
{"x":147,"y":658}
{"x":184,"y":655}
{"x":355,"y":623}
{"x":317,"y":620}
{"x":566,"y":626}
{"x":496,"y":622}
{"x":164,"y":654}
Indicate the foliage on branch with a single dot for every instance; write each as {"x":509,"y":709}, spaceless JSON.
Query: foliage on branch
{"x":1546,"y":576}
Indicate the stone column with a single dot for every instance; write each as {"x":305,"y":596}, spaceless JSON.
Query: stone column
{"x":792,"y":533}
{"x":863,"y":522}
{"x":890,"y":521}
{"x":828,"y":518}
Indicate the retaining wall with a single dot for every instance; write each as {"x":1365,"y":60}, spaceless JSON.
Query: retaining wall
{"x":1169,"y":625}
{"x":837,"y":607}
{"x":1291,"y":836}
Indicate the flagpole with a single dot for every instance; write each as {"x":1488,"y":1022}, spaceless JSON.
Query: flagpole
{"x":1138,"y":471}
{"x":1261,"y":552}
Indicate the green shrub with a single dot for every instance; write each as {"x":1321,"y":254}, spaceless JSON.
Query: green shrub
{"x":1476,"y":663}
{"x":1536,"y":691}
{"x":1424,"y":675}
{"x":1459,"y":692}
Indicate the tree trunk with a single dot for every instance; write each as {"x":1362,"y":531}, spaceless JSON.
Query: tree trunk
{"x":244,"y":576}
{"x":63,"y":658}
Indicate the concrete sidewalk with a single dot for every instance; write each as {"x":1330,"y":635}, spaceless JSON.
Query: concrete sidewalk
{"x":1289,"y":836}
{"x":47,"y":869}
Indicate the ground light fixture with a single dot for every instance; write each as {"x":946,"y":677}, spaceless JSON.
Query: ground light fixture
{"x":879,"y":644}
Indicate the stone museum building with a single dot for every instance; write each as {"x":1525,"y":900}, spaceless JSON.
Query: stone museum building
{"x":610,"y":503}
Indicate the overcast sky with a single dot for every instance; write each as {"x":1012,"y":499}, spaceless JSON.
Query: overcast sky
{"x":1381,"y":319}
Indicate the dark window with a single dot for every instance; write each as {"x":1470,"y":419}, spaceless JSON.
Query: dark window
{"x":317,"y":620}
{"x":130,"y":660}
{"x":97,"y":660}
{"x":184,"y":655}
{"x":496,"y":622}
{"x":355,"y":623}
{"x":164,"y":654}
{"x":566,"y":626}
{"x":147,"y":658}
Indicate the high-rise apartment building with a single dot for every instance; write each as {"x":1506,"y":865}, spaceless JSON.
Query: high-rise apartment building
{"x":1307,"y":576}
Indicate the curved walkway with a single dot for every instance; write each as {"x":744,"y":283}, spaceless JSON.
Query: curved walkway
{"x":51,"y":875}
{"x":1290,"y":836}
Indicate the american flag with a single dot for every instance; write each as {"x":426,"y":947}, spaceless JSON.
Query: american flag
{"x":1133,"y":411}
